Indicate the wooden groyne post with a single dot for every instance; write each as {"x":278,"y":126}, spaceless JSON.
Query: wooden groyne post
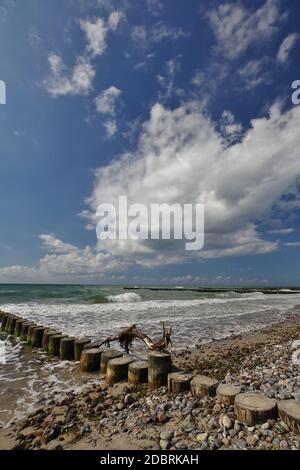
{"x":79,"y":346}
{"x":138,"y":372}
{"x":117,"y":369}
{"x":106,"y":356}
{"x":90,"y":360}
{"x":159,"y":366}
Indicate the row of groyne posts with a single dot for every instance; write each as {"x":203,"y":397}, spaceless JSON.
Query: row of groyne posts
{"x":250,"y":407}
{"x":110,"y":363}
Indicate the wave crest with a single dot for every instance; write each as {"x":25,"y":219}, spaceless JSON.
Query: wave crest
{"x":122,"y":298}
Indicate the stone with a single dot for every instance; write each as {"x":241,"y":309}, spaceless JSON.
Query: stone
{"x":252,"y":441}
{"x":202,"y":437}
{"x":283,"y":445}
{"x":166,"y":435}
{"x":227,"y":422}
{"x":241,"y":444}
{"x":164,"y":444}
{"x":130,"y":398}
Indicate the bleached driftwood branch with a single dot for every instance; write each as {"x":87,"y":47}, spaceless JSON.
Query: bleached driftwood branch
{"x":128,"y":335}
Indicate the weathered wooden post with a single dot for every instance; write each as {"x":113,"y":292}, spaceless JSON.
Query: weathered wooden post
{"x":226,"y":393}
{"x":90,"y":360}
{"x":12,"y":324}
{"x":107,"y":356}
{"x":254,"y":408}
{"x":178,"y":382}
{"x":54,"y":344}
{"x":79,"y":346}
{"x":30,"y":332}
{"x":159,"y":366}
{"x":117,"y":369}
{"x":289,"y":412}
{"x":24,"y":330}
{"x":10,"y":316}
{"x":138,"y":372}
{"x":204,"y":386}
{"x":18,"y":327}
{"x":37,"y":337}
{"x":47,"y":333}
{"x":66,"y":349}
{"x":5,"y":319}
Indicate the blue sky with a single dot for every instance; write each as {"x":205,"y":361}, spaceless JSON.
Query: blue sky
{"x":163,"y":101}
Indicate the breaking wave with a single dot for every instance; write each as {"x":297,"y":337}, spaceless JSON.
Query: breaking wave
{"x":123,"y":298}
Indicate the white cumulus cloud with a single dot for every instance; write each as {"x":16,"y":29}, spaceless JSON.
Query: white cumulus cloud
{"x":62,"y":81}
{"x":286,"y":47}
{"x":182,"y":157}
{"x":236,"y":27}
{"x":106,"y":100}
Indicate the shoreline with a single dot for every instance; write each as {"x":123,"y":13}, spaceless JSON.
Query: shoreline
{"x":100,"y":417}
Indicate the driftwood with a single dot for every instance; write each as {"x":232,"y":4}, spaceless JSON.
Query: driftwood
{"x":128,"y":335}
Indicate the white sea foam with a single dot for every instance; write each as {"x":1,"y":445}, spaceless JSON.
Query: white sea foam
{"x":123,"y":298}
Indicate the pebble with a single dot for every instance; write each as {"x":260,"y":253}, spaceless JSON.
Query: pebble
{"x":252,"y":441}
{"x":227,"y":422}
{"x":241,"y":444}
{"x":166,"y":435}
{"x":202,"y":437}
{"x":164,"y":444}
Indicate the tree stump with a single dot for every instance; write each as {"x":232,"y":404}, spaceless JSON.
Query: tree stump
{"x":117,"y":369}
{"x":202,"y":386}
{"x":253,"y":408}
{"x":227,"y":393}
{"x":289,"y":412}
{"x":159,"y":366}
{"x":37,"y":337}
{"x":79,"y":346}
{"x":54,"y":344}
{"x":46,"y":336}
{"x":138,"y":372}
{"x":66,"y":349}
{"x":24,"y":330}
{"x":107,"y":356}
{"x":178,"y":382}
{"x":90,"y":360}
{"x":30,"y":332}
{"x":18,"y":327}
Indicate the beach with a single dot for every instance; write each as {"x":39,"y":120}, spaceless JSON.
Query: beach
{"x":91,"y":415}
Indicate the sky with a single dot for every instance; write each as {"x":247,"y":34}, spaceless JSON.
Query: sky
{"x":164,"y":102}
